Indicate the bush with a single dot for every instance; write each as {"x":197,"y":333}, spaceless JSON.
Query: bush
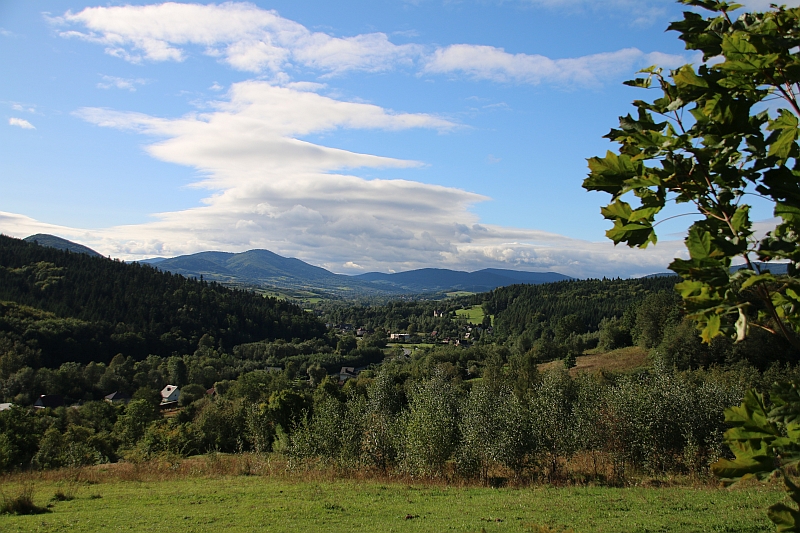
{"x":191,"y":393}
{"x":432,"y":427}
{"x":494,"y":427}
{"x":22,"y":503}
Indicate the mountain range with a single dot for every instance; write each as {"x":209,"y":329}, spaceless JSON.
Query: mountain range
{"x":262,"y":269}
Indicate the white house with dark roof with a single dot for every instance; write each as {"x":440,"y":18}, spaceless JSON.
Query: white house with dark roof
{"x":170,"y":394}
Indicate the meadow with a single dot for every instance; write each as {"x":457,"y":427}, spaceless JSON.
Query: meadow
{"x":203,"y":495}
{"x":473,"y":315}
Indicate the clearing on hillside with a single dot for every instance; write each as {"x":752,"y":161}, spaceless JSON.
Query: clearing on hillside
{"x":473,"y":315}
{"x":620,"y":360}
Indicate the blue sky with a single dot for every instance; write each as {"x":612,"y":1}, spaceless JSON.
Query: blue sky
{"x":355,"y":135}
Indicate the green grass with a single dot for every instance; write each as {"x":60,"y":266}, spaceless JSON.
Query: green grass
{"x":256,"y":503}
{"x":473,"y":315}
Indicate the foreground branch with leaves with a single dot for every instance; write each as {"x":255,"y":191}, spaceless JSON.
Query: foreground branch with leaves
{"x":765,"y":440}
{"x":718,"y":136}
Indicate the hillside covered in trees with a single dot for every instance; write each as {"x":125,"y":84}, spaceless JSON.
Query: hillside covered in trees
{"x":57,"y":306}
{"x":82,"y":327}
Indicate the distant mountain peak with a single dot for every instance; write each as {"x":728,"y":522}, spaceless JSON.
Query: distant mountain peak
{"x":51,"y":241}
{"x":263,"y":268}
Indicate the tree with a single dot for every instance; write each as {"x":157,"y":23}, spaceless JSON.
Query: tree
{"x":131,"y":425}
{"x":718,"y":135}
{"x":764,"y":439}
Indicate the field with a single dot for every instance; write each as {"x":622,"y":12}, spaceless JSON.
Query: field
{"x":193,"y":499}
{"x":621,"y":360}
{"x":473,"y":315}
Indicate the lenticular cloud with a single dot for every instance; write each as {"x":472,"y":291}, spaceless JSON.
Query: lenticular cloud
{"x":270,"y":189}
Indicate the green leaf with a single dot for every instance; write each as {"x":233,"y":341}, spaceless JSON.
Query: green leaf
{"x":754,"y":280}
{"x":735,"y":46}
{"x":617,"y":210}
{"x":609,"y":173}
{"x":686,"y":77}
{"x":643,"y":83}
{"x":784,"y":517}
{"x":712,"y":328}
{"x":741,"y":220}
{"x":741,"y":468}
{"x":788,"y":213}
{"x":699,"y":243}
{"x":786,"y":125}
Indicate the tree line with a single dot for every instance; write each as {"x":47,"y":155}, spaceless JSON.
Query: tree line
{"x":420,"y":415}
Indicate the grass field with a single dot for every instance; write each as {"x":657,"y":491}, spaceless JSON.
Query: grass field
{"x":621,"y":360}
{"x":231,"y":504}
{"x":473,"y":315}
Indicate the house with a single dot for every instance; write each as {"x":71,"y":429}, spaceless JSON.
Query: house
{"x":438,"y":314}
{"x":347,"y":372}
{"x":170,"y":394}
{"x":118,"y":397}
{"x":400,"y":337}
{"x":6,"y":406}
{"x":49,"y":400}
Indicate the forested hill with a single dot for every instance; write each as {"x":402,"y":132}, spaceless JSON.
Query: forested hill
{"x":51,"y":241}
{"x":517,"y":307}
{"x":96,"y":307}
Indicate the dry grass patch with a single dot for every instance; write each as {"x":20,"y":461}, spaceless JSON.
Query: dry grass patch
{"x":621,"y":360}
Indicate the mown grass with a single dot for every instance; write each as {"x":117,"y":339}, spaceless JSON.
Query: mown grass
{"x":126,"y":501}
{"x":473,"y":315}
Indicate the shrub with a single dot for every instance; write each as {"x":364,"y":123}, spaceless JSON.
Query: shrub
{"x":22,"y":503}
{"x":431,"y":427}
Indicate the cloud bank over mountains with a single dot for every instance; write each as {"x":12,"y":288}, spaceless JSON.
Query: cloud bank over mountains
{"x":270,"y":188}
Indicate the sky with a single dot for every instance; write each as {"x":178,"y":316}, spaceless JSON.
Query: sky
{"x":358,"y":135}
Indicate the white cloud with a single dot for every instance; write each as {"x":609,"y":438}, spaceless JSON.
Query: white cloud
{"x":270,"y":189}
{"x":110,"y":82}
{"x":257,"y":40}
{"x":19,"y":107}
{"x":245,"y":36}
{"x":495,"y":64}
{"x":21,"y":122}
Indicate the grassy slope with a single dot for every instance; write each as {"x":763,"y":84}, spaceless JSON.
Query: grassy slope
{"x":473,"y":315}
{"x":260,"y":503}
{"x":621,"y":360}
